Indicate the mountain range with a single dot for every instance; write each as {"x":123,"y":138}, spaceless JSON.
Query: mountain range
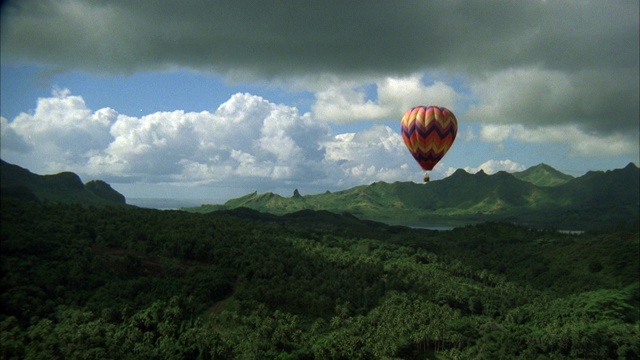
{"x":540,"y":195}
{"x":64,"y":187}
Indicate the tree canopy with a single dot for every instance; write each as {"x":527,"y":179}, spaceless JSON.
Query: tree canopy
{"x":129,"y":283}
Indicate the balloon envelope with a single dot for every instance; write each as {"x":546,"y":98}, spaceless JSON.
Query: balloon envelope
{"x":428,"y":132}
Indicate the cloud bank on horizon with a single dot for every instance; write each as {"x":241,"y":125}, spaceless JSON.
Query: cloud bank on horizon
{"x":246,"y":140}
{"x":537,"y":73}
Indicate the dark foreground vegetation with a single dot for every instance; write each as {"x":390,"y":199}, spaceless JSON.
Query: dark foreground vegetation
{"x":127,"y":283}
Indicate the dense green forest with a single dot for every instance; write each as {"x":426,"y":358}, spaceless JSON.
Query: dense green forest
{"x":120,"y":282}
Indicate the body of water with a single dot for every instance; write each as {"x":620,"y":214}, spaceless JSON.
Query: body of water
{"x":169,"y":204}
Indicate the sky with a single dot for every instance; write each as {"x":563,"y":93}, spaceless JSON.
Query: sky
{"x":211,"y":100}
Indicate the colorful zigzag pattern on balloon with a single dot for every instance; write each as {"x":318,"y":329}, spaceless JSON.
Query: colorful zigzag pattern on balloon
{"x":428,"y":132}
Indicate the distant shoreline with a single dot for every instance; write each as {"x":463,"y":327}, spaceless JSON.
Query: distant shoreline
{"x":446,"y":225}
{"x":170,"y":204}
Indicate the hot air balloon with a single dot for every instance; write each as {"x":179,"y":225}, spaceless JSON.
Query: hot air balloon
{"x":428,"y":132}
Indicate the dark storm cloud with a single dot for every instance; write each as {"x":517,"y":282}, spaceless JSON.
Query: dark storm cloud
{"x":283,"y":38}
{"x":574,"y":61}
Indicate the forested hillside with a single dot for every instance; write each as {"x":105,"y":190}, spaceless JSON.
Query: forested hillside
{"x":540,"y":196}
{"x":543,"y":175}
{"x":127,"y":283}
{"x":65,"y":187}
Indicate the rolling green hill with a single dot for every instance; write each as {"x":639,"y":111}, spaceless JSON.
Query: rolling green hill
{"x":543,"y":175}
{"x":593,"y":200}
{"x":65,"y":187}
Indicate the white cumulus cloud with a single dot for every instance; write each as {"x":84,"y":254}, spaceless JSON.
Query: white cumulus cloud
{"x":347,"y":100}
{"x":61,"y":130}
{"x":247,"y":136}
{"x":375,"y":154}
{"x":246,"y":140}
{"x":579,"y":141}
{"x":495,"y":133}
{"x":491,"y":167}
{"x":10,"y":140}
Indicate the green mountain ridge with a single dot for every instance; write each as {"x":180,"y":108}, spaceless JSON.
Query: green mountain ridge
{"x":64,"y":187}
{"x":543,"y":175}
{"x":595,"y":199}
{"x":539,"y":196}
